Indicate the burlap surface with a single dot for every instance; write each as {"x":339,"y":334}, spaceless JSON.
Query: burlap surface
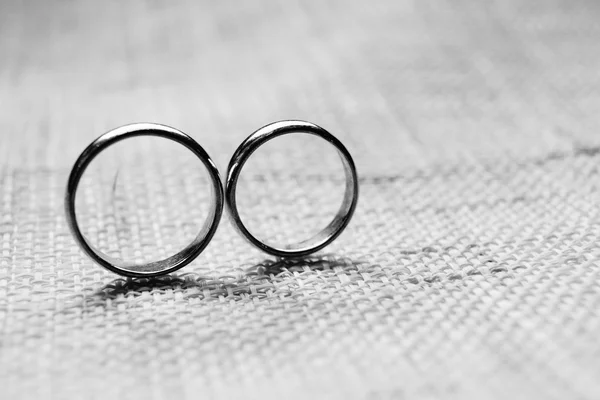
{"x":470,"y":271}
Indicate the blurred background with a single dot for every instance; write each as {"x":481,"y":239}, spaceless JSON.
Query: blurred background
{"x":471,"y":268}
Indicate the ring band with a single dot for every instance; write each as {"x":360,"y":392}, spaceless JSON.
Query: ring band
{"x":175,"y":261}
{"x":343,"y":216}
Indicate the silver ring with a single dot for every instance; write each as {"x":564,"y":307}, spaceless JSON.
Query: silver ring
{"x":175,"y":261}
{"x":343,"y":216}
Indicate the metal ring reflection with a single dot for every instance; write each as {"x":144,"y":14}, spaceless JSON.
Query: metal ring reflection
{"x":174,"y":262}
{"x":339,"y":222}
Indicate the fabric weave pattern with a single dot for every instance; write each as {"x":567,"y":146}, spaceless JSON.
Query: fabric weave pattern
{"x":470,"y":270}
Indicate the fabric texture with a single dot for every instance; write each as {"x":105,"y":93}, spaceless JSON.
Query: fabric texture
{"x":471,"y":269}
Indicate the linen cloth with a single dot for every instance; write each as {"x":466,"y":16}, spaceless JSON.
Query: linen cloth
{"x":471,"y":269}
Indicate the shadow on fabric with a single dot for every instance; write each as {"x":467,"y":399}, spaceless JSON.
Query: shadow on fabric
{"x":258,"y":278}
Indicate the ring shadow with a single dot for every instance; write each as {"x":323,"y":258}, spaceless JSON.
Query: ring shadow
{"x":272,"y":268}
{"x":259,"y":274}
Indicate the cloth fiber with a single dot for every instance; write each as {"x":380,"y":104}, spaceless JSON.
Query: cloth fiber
{"x":471,"y":269}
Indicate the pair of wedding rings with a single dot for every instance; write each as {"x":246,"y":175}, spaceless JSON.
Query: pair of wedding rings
{"x":220,"y":196}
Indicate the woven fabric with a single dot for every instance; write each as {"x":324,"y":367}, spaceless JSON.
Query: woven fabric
{"x":470,"y":270}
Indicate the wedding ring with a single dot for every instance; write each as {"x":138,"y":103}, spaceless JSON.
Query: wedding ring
{"x":175,"y":261}
{"x":339,"y":222}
